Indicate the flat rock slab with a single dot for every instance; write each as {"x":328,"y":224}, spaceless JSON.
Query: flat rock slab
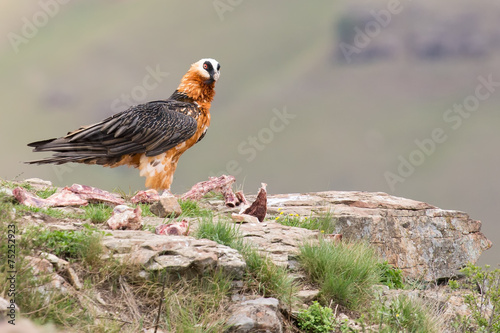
{"x":180,"y":254}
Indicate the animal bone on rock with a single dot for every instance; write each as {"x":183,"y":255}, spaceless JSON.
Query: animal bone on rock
{"x":149,"y":196}
{"x":94,"y":194}
{"x":176,"y":228}
{"x":259,"y":207}
{"x":125,"y":218}
{"x":220,"y":184}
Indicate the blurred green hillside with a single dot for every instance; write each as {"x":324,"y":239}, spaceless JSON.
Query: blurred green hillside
{"x":349,"y":123}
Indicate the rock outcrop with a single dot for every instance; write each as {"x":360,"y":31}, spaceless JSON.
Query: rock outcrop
{"x":424,"y":241}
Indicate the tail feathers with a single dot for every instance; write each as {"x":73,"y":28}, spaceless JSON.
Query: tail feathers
{"x":64,"y":145}
{"x":66,"y":152}
{"x":37,"y":144}
{"x":77,"y":158}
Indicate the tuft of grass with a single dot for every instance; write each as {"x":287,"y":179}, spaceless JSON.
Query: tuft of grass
{"x":146,"y":210}
{"x":198,"y":304}
{"x":324,"y":222}
{"x":222,"y":231}
{"x":191,"y":208}
{"x":214,"y":195}
{"x":345,"y":271}
{"x":124,"y":195}
{"x":407,"y":314}
{"x":97,"y":213}
{"x":44,"y":194}
{"x":270,"y":280}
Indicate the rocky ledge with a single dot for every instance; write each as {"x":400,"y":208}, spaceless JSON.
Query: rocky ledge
{"x":425,"y":242}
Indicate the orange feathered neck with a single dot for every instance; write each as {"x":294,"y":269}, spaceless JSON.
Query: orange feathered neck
{"x":194,"y":86}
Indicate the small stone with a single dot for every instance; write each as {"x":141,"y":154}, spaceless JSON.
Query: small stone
{"x":73,"y":279}
{"x":244,"y":218}
{"x":167,"y":206}
{"x":237,"y":285}
{"x":307,"y":296}
{"x":293,"y":265}
{"x":58,"y":263}
{"x":342,"y":316}
{"x":143,"y":274}
{"x":5,"y":306}
{"x":99,"y":298}
{"x":238,"y":298}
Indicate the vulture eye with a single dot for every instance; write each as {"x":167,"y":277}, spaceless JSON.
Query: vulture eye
{"x":205,"y":66}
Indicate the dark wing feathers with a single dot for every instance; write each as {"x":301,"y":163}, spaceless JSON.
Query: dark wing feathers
{"x":150,"y":128}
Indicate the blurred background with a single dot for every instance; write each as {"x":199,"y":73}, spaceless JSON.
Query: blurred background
{"x":393,"y":96}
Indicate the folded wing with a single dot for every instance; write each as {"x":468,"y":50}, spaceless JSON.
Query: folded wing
{"x":151,"y":128}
